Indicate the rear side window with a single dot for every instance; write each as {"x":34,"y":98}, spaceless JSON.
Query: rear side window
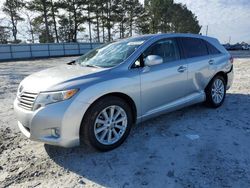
{"x":211,"y":49}
{"x":194,"y":47}
{"x":166,"y":48}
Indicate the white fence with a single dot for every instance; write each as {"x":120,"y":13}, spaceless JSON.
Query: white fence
{"x":28,"y":51}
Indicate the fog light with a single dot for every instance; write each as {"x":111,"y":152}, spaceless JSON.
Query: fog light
{"x":55,"y":132}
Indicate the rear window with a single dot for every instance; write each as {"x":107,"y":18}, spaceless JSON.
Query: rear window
{"x":211,"y":49}
{"x":194,"y":47}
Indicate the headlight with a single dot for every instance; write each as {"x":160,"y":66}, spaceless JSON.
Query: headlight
{"x":45,"y":98}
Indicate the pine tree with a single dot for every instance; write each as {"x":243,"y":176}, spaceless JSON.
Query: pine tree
{"x":63,"y":20}
{"x":89,"y":9}
{"x":65,"y":28}
{"x":167,"y":16}
{"x":143,"y":23}
{"x":109,"y":18}
{"x":183,"y":20}
{"x":29,"y":25}
{"x":97,"y":16}
{"x":120,"y":15}
{"x":4,"y":34}
{"x":134,"y":11}
{"x":73,"y":16}
{"x":42,"y":7}
{"x":54,"y":10}
{"x":12,"y":8}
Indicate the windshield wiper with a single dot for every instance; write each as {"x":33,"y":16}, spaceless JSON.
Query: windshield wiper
{"x":72,"y":63}
{"x":95,"y":66}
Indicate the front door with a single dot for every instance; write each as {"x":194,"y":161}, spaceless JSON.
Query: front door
{"x":164,"y":83}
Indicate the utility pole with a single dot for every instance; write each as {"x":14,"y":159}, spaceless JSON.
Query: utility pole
{"x":206,"y":30}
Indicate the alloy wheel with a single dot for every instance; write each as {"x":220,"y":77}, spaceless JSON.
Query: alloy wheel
{"x":218,"y":91}
{"x":110,"y":125}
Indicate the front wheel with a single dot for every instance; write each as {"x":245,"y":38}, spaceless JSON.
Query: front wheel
{"x":216,"y":92}
{"x":107,"y":123}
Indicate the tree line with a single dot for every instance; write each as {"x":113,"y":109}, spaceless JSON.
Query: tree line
{"x":92,"y":20}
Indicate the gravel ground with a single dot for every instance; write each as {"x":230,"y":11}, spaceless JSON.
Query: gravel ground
{"x":192,"y":147}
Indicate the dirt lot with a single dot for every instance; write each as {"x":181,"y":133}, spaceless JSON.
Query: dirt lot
{"x":193,"y":147}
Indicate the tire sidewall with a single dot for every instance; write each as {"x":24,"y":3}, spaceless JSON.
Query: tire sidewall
{"x":93,"y":113}
{"x":210,"y":100}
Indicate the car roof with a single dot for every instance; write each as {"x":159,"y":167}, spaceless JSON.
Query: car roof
{"x":160,"y":35}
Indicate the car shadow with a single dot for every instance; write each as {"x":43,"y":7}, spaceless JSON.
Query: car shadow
{"x":151,"y":150}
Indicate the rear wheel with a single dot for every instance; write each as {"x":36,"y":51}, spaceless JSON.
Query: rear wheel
{"x":107,"y":123}
{"x":216,"y":92}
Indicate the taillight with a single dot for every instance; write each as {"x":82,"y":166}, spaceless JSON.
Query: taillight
{"x":231,"y":59}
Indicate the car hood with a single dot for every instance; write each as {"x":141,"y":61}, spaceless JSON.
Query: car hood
{"x":57,"y":77}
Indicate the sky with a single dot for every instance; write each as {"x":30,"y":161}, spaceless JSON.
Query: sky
{"x":226,"y":19}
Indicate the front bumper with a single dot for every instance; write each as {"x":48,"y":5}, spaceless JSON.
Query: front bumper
{"x":65,"y":117}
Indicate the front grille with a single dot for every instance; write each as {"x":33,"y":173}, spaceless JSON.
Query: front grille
{"x":26,"y":100}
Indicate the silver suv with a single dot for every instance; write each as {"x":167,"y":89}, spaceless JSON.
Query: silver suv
{"x":98,"y":97}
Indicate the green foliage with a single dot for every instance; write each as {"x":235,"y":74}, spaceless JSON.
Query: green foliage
{"x":4,"y":34}
{"x":66,"y":29}
{"x":12,"y":8}
{"x":43,"y":37}
{"x":183,"y":20}
{"x":126,"y":13}
{"x":166,"y":16}
{"x":71,"y":22}
{"x":42,"y":23}
{"x":65,"y":20}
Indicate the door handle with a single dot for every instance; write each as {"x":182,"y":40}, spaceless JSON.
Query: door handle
{"x":182,"y":69}
{"x":211,"y":62}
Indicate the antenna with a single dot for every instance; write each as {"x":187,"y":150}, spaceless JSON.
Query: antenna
{"x":206,"y":30}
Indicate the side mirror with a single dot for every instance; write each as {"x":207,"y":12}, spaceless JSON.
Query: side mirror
{"x":153,"y":60}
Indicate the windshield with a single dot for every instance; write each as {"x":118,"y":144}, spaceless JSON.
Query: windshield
{"x":109,"y":55}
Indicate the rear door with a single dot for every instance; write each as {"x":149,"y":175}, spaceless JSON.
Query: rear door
{"x":164,"y":83}
{"x":199,"y":63}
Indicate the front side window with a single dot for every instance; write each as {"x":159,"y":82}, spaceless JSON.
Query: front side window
{"x":110,"y":55}
{"x":194,"y":47}
{"x":166,"y":48}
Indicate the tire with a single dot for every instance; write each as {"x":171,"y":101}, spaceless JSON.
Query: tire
{"x":95,"y":120}
{"x":216,"y":92}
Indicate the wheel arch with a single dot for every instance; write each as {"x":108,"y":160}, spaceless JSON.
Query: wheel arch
{"x":221,"y":73}
{"x":126,"y":98}
{"x":123,"y":96}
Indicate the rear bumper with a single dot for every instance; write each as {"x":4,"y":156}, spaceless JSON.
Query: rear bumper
{"x":230,"y":77}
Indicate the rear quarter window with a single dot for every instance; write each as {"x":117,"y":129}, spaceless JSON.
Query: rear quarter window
{"x":211,"y":49}
{"x":194,"y":47}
